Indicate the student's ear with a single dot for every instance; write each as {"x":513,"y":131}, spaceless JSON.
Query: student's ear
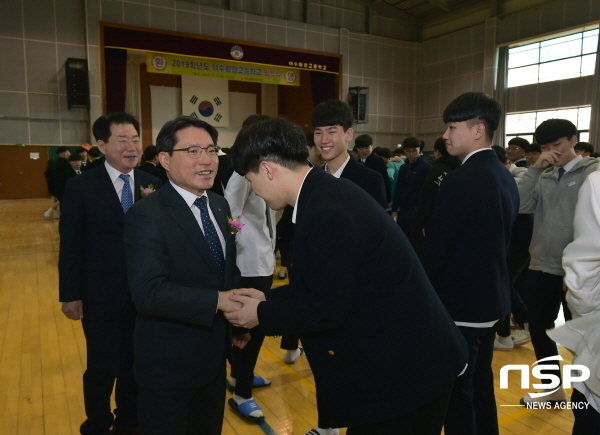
{"x":268,"y":169}
{"x":349,"y":134}
{"x":479,"y":131}
{"x":573,"y":141}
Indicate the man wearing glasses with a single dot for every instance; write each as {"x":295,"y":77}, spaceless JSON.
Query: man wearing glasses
{"x":180,"y":260}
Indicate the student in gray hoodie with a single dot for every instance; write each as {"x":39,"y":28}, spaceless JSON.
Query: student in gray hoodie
{"x":549,"y":188}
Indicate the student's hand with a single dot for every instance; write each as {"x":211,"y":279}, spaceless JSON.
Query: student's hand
{"x":73,"y":310}
{"x":394,"y":216}
{"x":241,"y":340}
{"x":227,"y":305}
{"x":547,"y":158}
{"x":247,"y":316}
{"x":251,"y":293}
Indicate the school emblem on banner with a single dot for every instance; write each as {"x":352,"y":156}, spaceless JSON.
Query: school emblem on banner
{"x":206,"y":99}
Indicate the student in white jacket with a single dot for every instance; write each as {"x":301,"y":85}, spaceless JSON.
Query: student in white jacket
{"x":581,"y":261}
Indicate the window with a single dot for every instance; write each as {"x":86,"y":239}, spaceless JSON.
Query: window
{"x":524,"y":124}
{"x":559,"y":58}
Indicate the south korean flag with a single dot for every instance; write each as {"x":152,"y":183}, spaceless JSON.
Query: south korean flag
{"x":206,"y":99}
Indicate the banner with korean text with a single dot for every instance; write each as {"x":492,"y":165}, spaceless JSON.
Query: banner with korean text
{"x":221,"y":69}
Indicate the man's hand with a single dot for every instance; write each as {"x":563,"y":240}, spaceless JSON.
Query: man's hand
{"x":247,"y":316}
{"x":73,"y":310}
{"x":546,"y":159}
{"x":241,"y":340}
{"x":251,"y":293}
{"x":225,"y":304}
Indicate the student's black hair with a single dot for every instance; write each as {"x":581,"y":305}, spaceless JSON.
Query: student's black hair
{"x":440,"y":146}
{"x":81,"y":150}
{"x":475,"y":108}
{"x":363,"y":141}
{"x":167,"y":137}
{"x":61,"y":150}
{"x":101,"y":128}
{"x":253,"y":118}
{"x":276,"y":140}
{"x":150,"y":152}
{"x":534,"y":148}
{"x":411,"y":143}
{"x":94,"y":152}
{"x":398,"y":152}
{"x":520,"y":142}
{"x":500,"y":153}
{"x":226,"y":150}
{"x":584,"y":146}
{"x":75,"y":157}
{"x":310,"y":139}
{"x":332,"y":112}
{"x":386,"y":153}
{"x":553,"y":129}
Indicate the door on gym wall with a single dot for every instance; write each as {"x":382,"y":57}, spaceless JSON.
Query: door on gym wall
{"x":22,"y":172}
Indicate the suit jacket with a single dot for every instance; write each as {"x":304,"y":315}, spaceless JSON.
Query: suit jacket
{"x":155,"y":170}
{"x":98,"y":162}
{"x":180,"y":338}
{"x":377,"y":164}
{"x":352,"y":323}
{"x":91,"y":261}
{"x":368,"y":179}
{"x":61,"y":173}
{"x":467,"y":239}
{"x":410,"y":180}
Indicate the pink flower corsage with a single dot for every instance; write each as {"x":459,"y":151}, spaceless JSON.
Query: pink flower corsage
{"x":234,"y":225}
{"x":145,"y":191}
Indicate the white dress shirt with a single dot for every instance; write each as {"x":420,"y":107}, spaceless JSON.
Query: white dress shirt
{"x":189,"y":199}
{"x":117,"y":182}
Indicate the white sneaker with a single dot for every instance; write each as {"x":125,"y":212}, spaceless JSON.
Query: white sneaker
{"x":559,"y":396}
{"x":520,"y":337}
{"x":48,"y":214}
{"x":292,"y":356}
{"x":503,"y":343}
{"x":56,"y":214}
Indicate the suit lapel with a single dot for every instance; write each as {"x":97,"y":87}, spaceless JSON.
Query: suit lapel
{"x":184,"y":218}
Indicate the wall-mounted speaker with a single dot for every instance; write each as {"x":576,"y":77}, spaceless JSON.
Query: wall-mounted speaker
{"x":357,"y":99}
{"x":78,"y":83}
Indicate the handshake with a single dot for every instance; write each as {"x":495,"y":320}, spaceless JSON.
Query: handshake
{"x":240,"y":306}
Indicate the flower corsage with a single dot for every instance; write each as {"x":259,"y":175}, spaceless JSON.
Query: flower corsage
{"x":145,"y":191}
{"x":234,"y":225}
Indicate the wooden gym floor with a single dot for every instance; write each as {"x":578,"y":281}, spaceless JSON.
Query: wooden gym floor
{"x":42,"y":354}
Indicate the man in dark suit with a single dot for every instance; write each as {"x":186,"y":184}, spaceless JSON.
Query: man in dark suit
{"x":409,"y":182}
{"x":516,"y":150}
{"x":180,"y":259}
{"x":366,"y":156}
{"x":92,"y":273}
{"x":332,"y":121}
{"x":347,"y":320}
{"x":151,"y":164}
{"x":466,"y":245}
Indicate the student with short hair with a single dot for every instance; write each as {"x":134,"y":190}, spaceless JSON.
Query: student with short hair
{"x":549,"y":189}
{"x":516,"y":150}
{"x":584,"y":149}
{"x":532,"y":153}
{"x":465,"y":252}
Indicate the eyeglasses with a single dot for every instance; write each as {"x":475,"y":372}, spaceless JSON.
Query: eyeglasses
{"x":195,"y":151}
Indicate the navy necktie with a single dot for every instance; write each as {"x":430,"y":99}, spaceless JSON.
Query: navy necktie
{"x":126,"y":196}
{"x":561,"y":172}
{"x":210,"y":233}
